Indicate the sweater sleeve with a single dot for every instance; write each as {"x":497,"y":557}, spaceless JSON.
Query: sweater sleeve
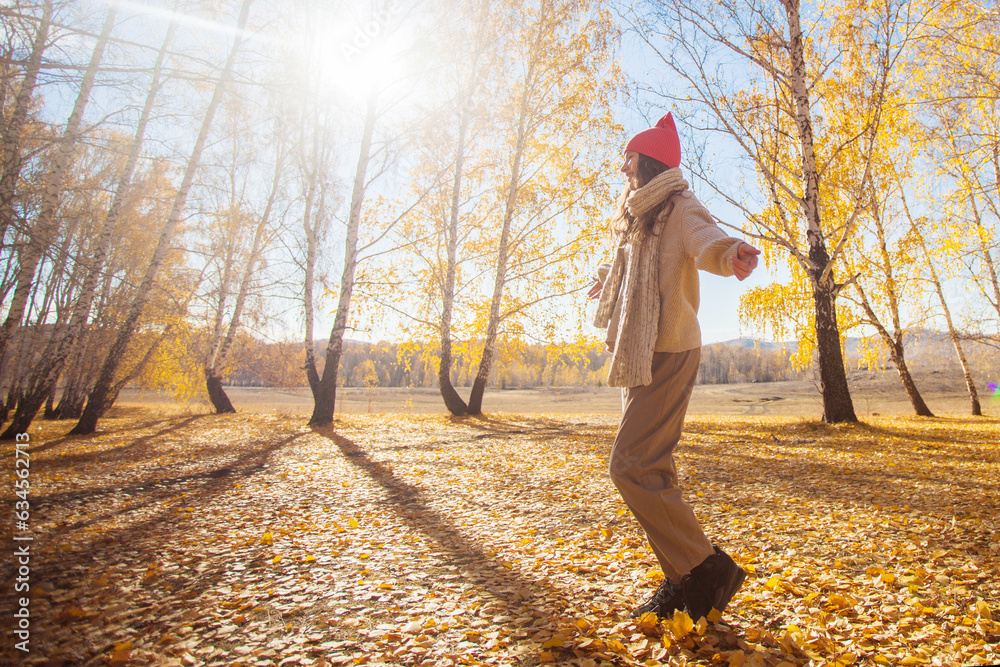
{"x":712,"y":249}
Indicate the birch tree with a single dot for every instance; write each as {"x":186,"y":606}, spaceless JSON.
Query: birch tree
{"x":40,"y":386}
{"x":385,"y":136}
{"x":469,"y":36}
{"x":929,"y":257}
{"x":955,"y":72}
{"x":325,"y":392}
{"x":752,"y":70}
{"x":107,"y":386}
{"x":881,"y":254}
{"x":556,"y":116}
{"x":44,"y":229}
{"x":10,"y":144}
{"x":238,"y":261}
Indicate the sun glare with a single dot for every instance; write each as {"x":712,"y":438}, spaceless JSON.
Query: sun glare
{"x":183,"y":18}
{"x":365,"y":57}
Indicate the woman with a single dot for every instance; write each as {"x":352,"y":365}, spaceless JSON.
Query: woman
{"x":649,"y":305}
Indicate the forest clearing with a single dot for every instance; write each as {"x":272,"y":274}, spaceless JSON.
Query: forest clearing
{"x":184,"y":538}
{"x":396,"y":217}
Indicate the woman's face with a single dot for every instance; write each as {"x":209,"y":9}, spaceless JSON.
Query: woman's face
{"x":631,"y":169}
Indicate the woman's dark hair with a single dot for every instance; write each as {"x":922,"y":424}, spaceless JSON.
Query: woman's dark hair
{"x":646,"y":169}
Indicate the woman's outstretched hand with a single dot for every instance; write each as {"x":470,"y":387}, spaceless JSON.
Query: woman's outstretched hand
{"x":745,"y":261}
{"x":596,"y":288}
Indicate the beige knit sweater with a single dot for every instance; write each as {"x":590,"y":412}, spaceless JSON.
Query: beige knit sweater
{"x":688,"y":240}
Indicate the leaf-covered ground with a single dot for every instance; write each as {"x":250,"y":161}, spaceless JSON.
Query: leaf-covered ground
{"x":187,"y":539}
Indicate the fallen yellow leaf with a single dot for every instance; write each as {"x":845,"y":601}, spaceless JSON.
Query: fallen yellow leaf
{"x":615,"y":645}
{"x":680,"y":625}
{"x":839,"y":601}
{"x":648,"y":622}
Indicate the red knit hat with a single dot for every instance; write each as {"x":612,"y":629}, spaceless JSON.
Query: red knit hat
{"x":660,"y":142}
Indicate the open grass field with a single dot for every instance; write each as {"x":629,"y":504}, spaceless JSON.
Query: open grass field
{"x":177,"y":537}
{"x":874,"y":394}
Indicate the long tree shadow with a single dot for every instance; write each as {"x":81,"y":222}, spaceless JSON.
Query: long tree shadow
{"x":408,"y":502}
{"x":172,"y":424}
{"x":156,"y":490}
{"x":145,"y":522}
{"x":150,"y":494}
{"x":497,"y":427}
{"x":765,"y":460}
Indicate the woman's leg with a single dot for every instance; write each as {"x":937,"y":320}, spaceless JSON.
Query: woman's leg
{"x":642,"y":463}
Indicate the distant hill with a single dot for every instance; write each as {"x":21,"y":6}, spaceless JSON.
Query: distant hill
{"x":751,"y":343}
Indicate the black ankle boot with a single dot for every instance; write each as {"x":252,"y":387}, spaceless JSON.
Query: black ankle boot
{"x":667,"y":599}
{"x":711,"y":585}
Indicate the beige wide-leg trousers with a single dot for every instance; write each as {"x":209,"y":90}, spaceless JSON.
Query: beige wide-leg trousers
{"x":642,"y":463}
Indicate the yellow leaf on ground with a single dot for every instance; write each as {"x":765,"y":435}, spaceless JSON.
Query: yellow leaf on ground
{"x":984,"y":610}
{"x":648,"y":622}
{"x":680,"y":625}
{"x":839,"y":601}
{"x":615,"y":645}
{"x":554,"y":641}
{"x":121,"y":652}
{"x":737,"y":659}
{"x":277,"y":559}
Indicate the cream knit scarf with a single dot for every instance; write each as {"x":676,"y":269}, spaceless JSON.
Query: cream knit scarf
{"x":633,"y":279}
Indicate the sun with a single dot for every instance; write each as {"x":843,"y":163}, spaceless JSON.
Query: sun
{"x":364,"y":56}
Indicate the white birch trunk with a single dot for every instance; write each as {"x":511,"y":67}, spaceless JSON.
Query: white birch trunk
{"x":101,"y":398}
